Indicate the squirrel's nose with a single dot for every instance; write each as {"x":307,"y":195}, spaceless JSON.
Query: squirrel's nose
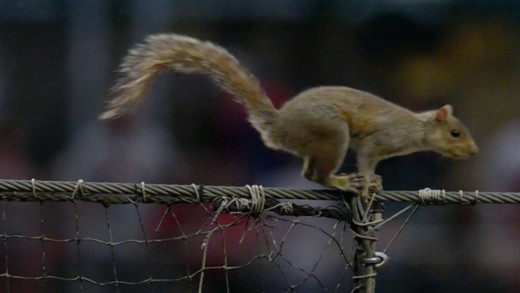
{"x":473,"y":149}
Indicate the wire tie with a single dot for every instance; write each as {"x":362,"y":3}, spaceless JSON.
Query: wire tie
{"x":462,"y":202}
{"x":33,"y":184}
{"x":196,"y":190}
{"x":471,"y":201}
{"x":143,"y":190}
{"x":430,"y":196}
{"x":78,"y":187}
{"x":225,"y":203}
{"x":257,"y":198}
{"x":285,"y":207}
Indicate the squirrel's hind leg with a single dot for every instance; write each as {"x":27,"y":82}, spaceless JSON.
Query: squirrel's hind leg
{"x":321,"y":168}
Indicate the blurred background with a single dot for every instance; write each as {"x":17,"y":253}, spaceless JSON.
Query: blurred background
{"x":58,"y":60}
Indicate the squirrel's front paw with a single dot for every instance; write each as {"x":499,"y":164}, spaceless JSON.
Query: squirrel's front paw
{"x":353,"y":182}
{"x":363,"y":187}
{"x":357,"y":183}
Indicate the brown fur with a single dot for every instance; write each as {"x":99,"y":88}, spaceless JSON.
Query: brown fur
{"x":319,"y":124}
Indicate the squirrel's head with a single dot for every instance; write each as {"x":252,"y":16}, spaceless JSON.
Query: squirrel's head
{"x":448,"y":136}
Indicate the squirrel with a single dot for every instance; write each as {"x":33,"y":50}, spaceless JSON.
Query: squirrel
{"x":318,"y":124}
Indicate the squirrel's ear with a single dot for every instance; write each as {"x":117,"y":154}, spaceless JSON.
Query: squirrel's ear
{"x":444,"y":113}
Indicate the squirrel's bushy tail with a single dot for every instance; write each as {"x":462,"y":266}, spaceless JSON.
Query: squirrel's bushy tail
{"x":188,"y":55}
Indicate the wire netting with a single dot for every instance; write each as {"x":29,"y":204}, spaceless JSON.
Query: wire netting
{"x":118,"y":237}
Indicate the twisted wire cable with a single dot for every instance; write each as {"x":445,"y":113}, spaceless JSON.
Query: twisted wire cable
{"x":122,"y":193}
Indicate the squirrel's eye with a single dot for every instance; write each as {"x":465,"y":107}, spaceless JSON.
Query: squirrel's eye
{"x":455,"y":133}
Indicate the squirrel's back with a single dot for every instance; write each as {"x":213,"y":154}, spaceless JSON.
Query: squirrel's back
{"x":363,"y":112}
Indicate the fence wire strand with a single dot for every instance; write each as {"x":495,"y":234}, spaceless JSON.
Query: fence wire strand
{"x":126,"y":193}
